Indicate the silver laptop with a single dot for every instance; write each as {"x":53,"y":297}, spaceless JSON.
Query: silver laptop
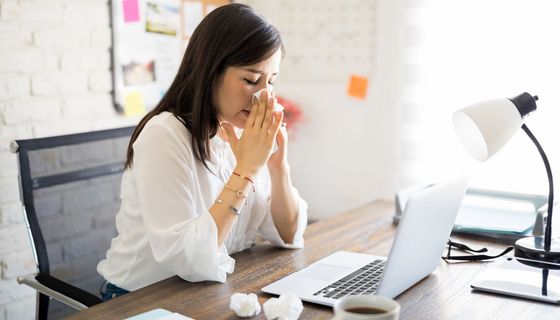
{"x":419,"y":242}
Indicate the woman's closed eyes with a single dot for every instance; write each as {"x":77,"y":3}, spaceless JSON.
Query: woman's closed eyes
{"x":254,"y":83}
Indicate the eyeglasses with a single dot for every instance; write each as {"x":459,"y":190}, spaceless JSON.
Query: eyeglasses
{"x":470,"y":257}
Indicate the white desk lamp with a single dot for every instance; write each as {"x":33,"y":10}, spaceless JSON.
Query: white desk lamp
{"x":484,"y":128}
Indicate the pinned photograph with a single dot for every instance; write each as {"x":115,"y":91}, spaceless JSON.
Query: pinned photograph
{"x":135,"y":73}
{"x":162,"y":18}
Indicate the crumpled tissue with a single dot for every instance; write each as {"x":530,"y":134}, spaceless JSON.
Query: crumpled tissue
{"x":286,"y":307}
{"x":245,"y":305}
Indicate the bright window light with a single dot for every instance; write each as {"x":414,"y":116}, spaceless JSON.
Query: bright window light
{"x":461,"y":52}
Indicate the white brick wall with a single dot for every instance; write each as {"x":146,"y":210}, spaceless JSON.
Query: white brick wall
{"x":10,"y":213}
{"x":13,"y":85}
{"x":12,"y":239}
{"x":45,"y":84}
{"x":55,"y":78}
{"x":17,"y":263}
{"x":8,"y":191}
{"x":21,"y":309}
{"x":21,"y":60}
{"x":31,"y":109}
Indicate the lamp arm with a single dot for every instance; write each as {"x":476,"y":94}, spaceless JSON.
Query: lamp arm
{"x":548,"y":229}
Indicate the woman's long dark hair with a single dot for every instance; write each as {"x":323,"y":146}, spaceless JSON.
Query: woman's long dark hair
{"x":231,"y":35}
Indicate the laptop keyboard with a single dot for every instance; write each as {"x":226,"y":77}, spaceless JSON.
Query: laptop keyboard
{"x":362,"y":281}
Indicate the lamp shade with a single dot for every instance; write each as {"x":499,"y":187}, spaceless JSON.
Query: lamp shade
{"x":485,"y":127}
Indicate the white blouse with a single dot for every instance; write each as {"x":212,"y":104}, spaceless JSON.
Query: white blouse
{"x":164,"y":226}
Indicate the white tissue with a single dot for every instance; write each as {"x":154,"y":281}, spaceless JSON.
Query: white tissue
{"x":245,"y":305}
{"x":257,"y":95}
{"x":286,"y":307}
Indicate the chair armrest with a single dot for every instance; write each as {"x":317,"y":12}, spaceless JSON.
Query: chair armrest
{"x":59,"y":290}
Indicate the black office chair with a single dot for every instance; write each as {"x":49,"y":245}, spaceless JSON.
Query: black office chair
{"x":70,"y":187}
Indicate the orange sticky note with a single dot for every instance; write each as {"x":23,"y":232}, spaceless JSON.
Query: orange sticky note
{"x":357,"y":87}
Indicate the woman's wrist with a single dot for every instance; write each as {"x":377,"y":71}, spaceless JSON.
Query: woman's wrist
{"x":240,"y":183}
{"x":247,"y":181}
{"x":244,"y":172}
{"x":281,"y":170}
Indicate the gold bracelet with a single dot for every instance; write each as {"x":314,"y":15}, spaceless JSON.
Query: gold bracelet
{"x":238,"y":193}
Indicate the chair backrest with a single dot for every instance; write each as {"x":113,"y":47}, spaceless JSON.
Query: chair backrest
{"x":70,"y":187}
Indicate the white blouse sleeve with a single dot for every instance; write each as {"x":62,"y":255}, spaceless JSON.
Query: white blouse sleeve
{"x":182,"y":236}
{"x":269,"y":231}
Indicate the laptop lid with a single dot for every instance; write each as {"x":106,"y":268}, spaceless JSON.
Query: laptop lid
{"x":422,"y":235}
{"x":419,"y":242}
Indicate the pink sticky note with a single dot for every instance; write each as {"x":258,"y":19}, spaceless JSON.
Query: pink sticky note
{"x":130,"y":9}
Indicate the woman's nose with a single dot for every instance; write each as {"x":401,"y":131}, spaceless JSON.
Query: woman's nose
{"x":263,"y":86}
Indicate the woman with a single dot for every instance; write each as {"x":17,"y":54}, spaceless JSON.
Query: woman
{"x":196,"y":188}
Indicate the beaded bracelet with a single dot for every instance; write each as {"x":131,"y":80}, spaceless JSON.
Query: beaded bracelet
{"x":246,"y":178}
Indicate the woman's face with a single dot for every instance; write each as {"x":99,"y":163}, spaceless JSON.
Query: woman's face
{"x":235,"y":88}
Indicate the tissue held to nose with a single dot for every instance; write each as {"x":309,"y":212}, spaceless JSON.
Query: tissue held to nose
{"x":257,"y":96}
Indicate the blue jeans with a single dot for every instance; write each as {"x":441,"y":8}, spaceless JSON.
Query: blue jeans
{"x":112,"y":291}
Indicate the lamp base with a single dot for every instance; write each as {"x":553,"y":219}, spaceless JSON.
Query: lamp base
{"x":533,"y":248}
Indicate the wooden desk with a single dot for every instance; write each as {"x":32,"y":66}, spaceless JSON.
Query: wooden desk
{"x":445,"y":294}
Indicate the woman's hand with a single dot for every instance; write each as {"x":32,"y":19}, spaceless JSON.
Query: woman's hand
{"x":278,"y":161}
{"x":253,"y":149}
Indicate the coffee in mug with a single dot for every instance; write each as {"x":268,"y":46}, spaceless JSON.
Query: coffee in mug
{"x":372,"y":307}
